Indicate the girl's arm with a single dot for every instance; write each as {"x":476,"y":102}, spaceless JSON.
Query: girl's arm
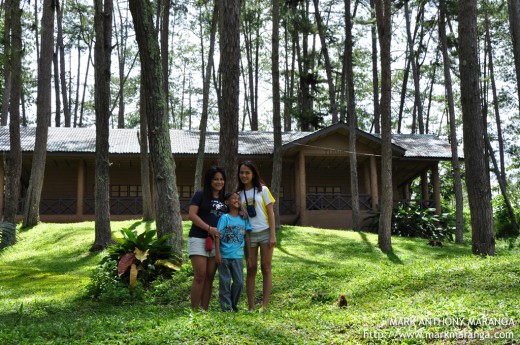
{"x":272,"y":224}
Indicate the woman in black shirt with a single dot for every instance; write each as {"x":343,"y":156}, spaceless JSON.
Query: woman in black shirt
{"x":206,"y":207}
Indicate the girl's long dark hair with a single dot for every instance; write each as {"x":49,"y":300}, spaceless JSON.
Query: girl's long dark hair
{"x":207,"y":190}
{"x":257,"y":180}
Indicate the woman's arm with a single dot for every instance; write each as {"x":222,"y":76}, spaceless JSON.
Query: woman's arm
{"x":193,"y":215}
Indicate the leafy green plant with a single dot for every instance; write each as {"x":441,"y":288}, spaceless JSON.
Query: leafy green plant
{"x":143,"y":255}
{"x":414,"y":221}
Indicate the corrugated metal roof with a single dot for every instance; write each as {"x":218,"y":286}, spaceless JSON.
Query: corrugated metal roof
{"x":125,"y":141}
{"x":423,"y":146}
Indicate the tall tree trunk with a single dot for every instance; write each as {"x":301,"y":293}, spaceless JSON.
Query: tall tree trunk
{"x":384,"y":26}
{"x":43,"y":117}
{"x":477,"y":179}
{"x":457,"y":180}
{"x":205,"y":99}
{"x":102,"y":57}
{"x":352,"y":118}
{"x":61,"y":51}
{"x":277,"y":121}
{"x":375,"y":75}
{"x":13,"y":161}
{"x":328,"y":67}
{"x":415,"y":70}
{"x":57,"y":99}
{"x":229,"y":25}
{"x":148,"y":210}
{"x":164,"y":32}
{"x":514,"y":25}
{"x":89,"y":59}
{"x":498,"y":121}
{"x":7,"y":66}
{"x":78,"y":74}
{"x":169,"y":219}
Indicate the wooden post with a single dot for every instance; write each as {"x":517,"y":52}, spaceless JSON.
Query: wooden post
{"x":436,"y":181}
{"x":1,"y":190}
{"x":424,"y":185}
{"x":302,"y":189}
{"x":80,"y":192}
{"x":373,"y":183}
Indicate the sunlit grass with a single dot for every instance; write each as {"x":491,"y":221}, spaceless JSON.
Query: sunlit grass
{"x":42,"y":293}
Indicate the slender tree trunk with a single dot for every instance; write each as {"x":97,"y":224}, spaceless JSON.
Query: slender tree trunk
{"x":415,"y":70}
{"x":61,"y":51}
{"x":477,"y":179}
{"x":277,"y":121}
{"x":7,"y":66}
{"x":57,"y":100}
{"x":502,"y":168}
{"x":43,"y":117}
{"x":384,"y":26}
{"x":164,"y":32}
{"x":352,"y":118}
{"x":514,"y":24}
{"x":78,"y":80}
{"x":102,"y":57}
{"x":328,"y":67}
{"x":89,"y":59}
{"x":205,"y":99}
{"x":457,"y":180}
{"x":375,"y":75}
{"x":229,"y":25}
{"x":169,"y":219}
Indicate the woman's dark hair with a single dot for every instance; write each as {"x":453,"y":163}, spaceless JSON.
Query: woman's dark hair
{"x":210,"y":174}
{"x":257,"y":180}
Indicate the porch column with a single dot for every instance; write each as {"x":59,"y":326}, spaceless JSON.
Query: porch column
{"x":406,"y":191}
{"x":424,"y":185}
{"x":80,"y":191}
{"x":1,"y":191}
{"x":301,"y":189}
{"x":436,"y":181}
{"x":373,"y":183}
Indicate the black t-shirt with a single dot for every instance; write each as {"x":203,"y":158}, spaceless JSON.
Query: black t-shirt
{"x":209,"y":212}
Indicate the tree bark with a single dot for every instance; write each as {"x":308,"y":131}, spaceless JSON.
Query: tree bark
{"x":229,"y":25}
{"x":102,"y":57}
{"x":169,"y":219}
{"x":277,"y":120}
{"x":457,"y":180}
{"x":352,"y":118}
{"x":43,"y":117}
{"x":477,"y":179}
{"x":13,"y":161}
{"x":375,"y":75}
{"x":328,"y":67}
{"x":7,"y":66}
{"x":384,"y":27}
{"x":148,"y":210}
{"x":61,"y":51}
{"x":514,"y":24}
{"x":205,"y":100}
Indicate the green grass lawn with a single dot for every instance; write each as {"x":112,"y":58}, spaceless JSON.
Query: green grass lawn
{"x":418,"y":294}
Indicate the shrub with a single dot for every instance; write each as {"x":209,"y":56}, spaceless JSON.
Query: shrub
{"x":132,"y":259}
{"x":413,"y":221}
{"x":503,"y":224}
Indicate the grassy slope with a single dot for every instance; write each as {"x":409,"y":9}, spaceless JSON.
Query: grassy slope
{"x":44,"y":274}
